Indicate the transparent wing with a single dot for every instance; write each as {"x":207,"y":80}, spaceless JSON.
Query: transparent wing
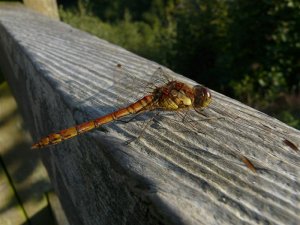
{"x":126,"y":85}
{"x":136,"y":83}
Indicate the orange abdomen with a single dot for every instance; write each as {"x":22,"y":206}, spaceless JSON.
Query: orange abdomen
{"x":55,"y":138}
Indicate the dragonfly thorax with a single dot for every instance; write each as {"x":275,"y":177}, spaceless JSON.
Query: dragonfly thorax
{"x":174,"y":95}
{"x":181,"y":98}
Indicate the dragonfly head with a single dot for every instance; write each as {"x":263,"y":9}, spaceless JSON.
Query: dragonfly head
{"x":202,"y":97}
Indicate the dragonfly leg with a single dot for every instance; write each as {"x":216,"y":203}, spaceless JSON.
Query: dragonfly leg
{"x":130,"y":119}
{"x":187,"y":119}
{"x":143,"y":129}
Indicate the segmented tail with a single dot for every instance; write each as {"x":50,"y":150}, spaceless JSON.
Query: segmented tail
{"x":55,"y":138}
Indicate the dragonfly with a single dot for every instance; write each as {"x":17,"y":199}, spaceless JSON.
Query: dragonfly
{"x":172,"y":95}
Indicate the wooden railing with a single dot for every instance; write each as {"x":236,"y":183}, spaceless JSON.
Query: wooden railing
{"x":176,"y":173}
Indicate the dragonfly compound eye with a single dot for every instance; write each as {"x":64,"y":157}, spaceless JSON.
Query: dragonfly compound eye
{"x":202,"y":97}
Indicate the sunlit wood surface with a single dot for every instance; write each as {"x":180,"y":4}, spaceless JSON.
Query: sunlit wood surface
{"x":45,"y":7}
{"x":176,"y":173}
{"x":24,"y":183}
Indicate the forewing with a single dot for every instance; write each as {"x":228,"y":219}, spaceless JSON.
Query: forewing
{"x":134,"y":83}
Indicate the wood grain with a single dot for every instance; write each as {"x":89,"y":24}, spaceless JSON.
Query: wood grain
{"x":177,"y":173}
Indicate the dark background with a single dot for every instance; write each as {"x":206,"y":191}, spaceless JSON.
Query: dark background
{"x":249,"y":50}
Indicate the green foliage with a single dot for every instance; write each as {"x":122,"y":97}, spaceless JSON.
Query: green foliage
{"x":151,"y":41}
{"x":247,"y":49}
{"x":261,"y":88}
{"x":288,"y":117}
{"x":201,"y":32}
{"x":264,"y":47}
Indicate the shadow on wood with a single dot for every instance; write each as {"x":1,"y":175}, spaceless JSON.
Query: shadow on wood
{"x":23,"y":179}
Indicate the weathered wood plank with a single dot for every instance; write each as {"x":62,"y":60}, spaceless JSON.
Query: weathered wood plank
{"x":56,"y":207}
{"x":27,"y":175}
{"x":10,"y":210}
{"x":172,"y":174}
{"x":45,"y":7}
